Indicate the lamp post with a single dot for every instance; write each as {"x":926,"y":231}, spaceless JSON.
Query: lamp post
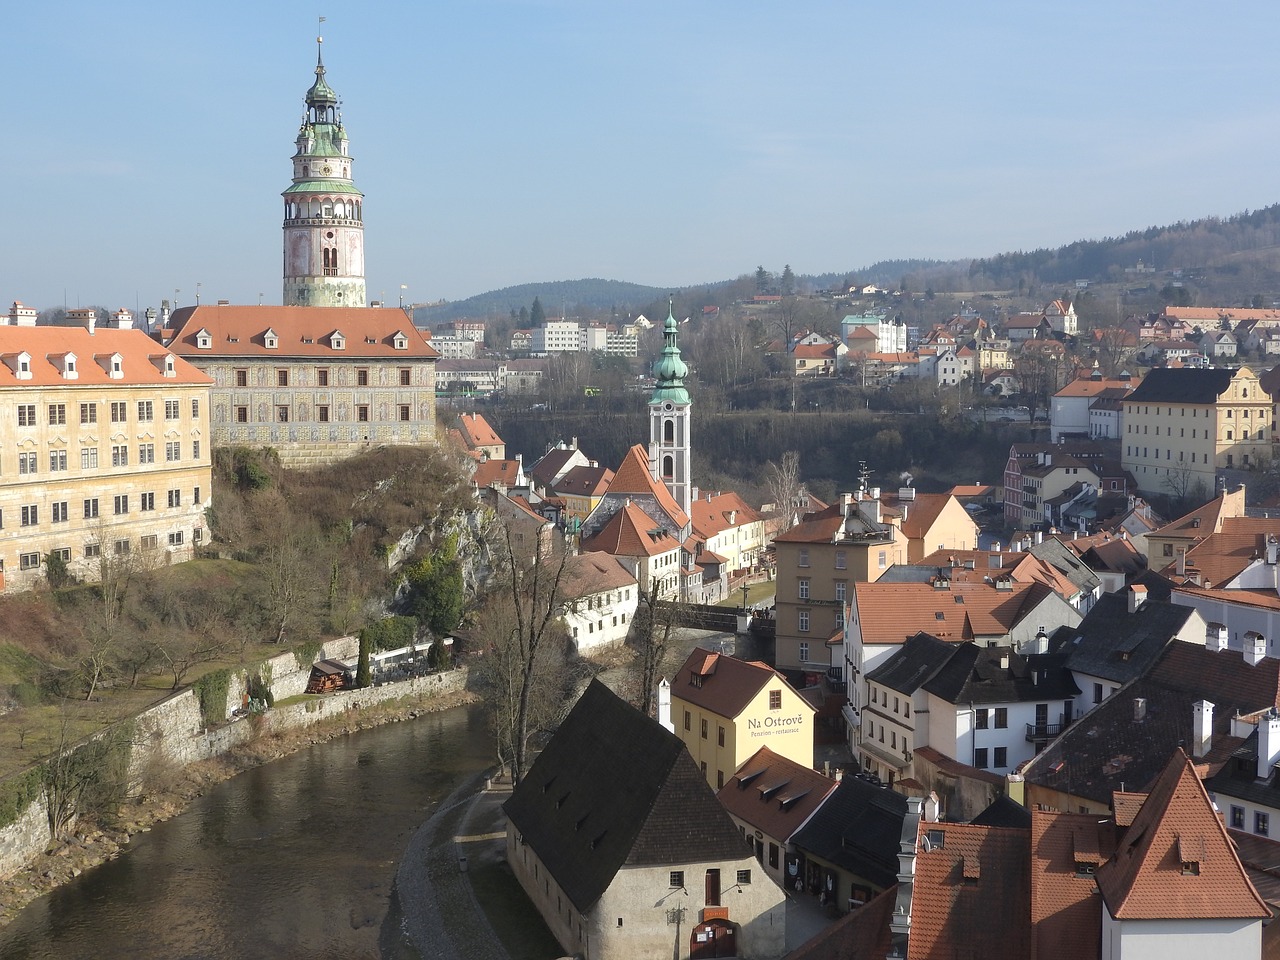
{"x":744,"y":596}
{"x":403,"y":288}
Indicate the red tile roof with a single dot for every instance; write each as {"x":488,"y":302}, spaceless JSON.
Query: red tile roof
{"x":712,"y":513}
{"x":1176,"y":861}
{"x":773,"y":794}
{"x":1066,"y":922}
{"x":632,"y":533}
{"x":727,"y":684}
{"x":237,"y":331}
{"x":142,"y":359}
{"x":584,"y":481}
{"x":489,"y":472}
{"x":633,"y":477}
{"x":891,"y":612}
{"x":476,"y":431}
{"x":594,"y":572}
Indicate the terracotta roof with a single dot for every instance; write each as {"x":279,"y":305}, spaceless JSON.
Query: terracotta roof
{"x":773,"y":794}
{"x":142,"y":359}
{"x":489,"y":472}
{"x":1066,"y":922}
{"x":1088,"y":387}
{"x":972,"y":890}
{"x":857,"y":935}
{"x":924,"y":512}
{"x":631,"y":533}
{"x":1205,"y":519}
{"x":1125,"y":805}
{"x":633,"y":476}
{"x":1220,"y":557}
{"x":594,"y":572}
{"x":814,"y":351}
{"x":1176,"y":860}
{"x":711,"y":513}
{"x":477,"y":432}
{"x":237,"y":331}
{"x":585,"y":482}
{"x":726,"y":685}
{"x":891,"y":612}
{"x":971,"y":490}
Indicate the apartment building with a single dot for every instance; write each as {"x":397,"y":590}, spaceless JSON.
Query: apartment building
{"x":104,"y":450}
{"x":316,"y":384}
{"x":1182,"y":425}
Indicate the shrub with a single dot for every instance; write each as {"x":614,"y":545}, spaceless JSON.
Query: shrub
{"x":212,"y":690}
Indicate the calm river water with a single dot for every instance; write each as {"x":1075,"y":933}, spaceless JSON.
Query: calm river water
{"x":295,"y":859}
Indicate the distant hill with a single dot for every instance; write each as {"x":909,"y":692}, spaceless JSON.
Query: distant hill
{"x":1219,"y":260}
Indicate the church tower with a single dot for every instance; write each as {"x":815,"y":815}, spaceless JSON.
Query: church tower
{"x":323,"y":210}
{"x":669,"y":449}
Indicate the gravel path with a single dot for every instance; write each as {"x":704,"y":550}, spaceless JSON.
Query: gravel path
{"x":441,"y":914}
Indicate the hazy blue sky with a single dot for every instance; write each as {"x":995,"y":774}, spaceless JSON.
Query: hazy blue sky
{"x":658,"y":142}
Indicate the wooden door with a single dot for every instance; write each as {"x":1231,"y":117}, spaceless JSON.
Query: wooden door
{"x":713,"y":888}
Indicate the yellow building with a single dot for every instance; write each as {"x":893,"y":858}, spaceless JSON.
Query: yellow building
{"x":316,"y":384}
{"x":1182,"y":425}
{"x":725,"y":709}
{"x":104,"y":450}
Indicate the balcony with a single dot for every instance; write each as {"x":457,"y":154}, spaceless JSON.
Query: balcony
{"x":1044,"y":732}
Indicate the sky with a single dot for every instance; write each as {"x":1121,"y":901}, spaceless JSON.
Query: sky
{"x":657,"y":142}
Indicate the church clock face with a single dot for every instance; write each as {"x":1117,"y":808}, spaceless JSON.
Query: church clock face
{"x":328,"y":170}
{"x":668,"y":406}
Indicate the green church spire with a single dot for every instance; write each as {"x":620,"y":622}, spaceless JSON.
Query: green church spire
{"x":669,"y":369}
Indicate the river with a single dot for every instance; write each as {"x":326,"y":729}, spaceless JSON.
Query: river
{"x":294,"y":859}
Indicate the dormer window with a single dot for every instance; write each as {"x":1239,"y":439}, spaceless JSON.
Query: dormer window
{"x":401,"y":342}
{"x":113,"y":364}
{"x":204,"y":340}
{"x":20,"y":364}
{"x":66,"y":364}
{"x":270,"y":340}
{"x":164,"y":363}
{"x":337,"y":341}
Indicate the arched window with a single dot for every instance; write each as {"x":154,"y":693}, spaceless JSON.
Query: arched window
{"x":668,"y":431}
{"x":668,"y":467}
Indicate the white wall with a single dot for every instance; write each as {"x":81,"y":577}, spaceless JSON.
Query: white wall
{"x":1180,"y":939}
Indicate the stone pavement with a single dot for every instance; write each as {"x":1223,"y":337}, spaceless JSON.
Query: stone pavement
{"x":441,"y":915}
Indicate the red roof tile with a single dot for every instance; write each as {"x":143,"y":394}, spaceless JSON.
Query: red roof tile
{"x":727,"y":684}
{"x":237,"y":331}
{"x":633,"y":477}
{"x":1066,"y":921}
{"x":632,"y":533}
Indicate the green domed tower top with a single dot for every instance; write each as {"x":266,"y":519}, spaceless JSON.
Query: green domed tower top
{"x":669,"y":369}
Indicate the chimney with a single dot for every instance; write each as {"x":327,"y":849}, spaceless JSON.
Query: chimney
{"x":1137,"y":597}
{"x":1004,"y":659}
{"x":1273,"y":550}
{"x":1139,"y":709}
{"x":21,"y":315}
{"x":1039,"y":537}
{"x":1041,"y":643}
{"x":1215,"y":637}
{"x":573,"y":444}
{"x":664,"y":704}
{"x":845,"y":500}
{"x":839,"y":774}
{"x":1182,"y":562}
{"x":1202,"y":728}
{"x":123,"y":320}
{"x":1255,"y":648}
{"x":932,"y":808}
{"x":1268,"y":743}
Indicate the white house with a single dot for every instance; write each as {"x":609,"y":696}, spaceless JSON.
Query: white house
{"x":601,"y":600}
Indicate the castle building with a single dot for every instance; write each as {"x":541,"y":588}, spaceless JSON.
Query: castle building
{"x":323,"y":210}
{"x":104,"y":450}
{"x":669,"y":421}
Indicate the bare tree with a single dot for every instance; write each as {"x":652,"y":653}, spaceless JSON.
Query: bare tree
{"x":651,"y":637}
{"x":785,"y":489}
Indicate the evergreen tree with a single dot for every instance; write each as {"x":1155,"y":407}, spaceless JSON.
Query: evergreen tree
{"x":788,"y":281}
{"x":537,"y":316}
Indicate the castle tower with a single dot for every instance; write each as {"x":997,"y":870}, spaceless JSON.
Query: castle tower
{"x":669,"y":448}
{"x":323,"y":210}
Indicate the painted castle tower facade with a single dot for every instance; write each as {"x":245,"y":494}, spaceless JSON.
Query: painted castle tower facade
{"x":669,"y":421}
{"x":323,"y":210}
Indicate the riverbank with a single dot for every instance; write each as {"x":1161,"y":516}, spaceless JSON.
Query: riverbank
{"x":169,"y":795}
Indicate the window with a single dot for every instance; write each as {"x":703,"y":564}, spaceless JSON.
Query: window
{"x":775,"y":699}
{"x":1001,"y":757}
{"x":1084,"y":869}
{"x":404,"y":413}
{"x":803,"y":588}
{"x":980,"y":758}
{"x":704,"y":728}
{"x":88,"y":413}
{"x":744,"y":877}
{"x":282,"y":414}
{"x":242,"y":378}
{"x":688,"y":720}
{"x":981,"y":722}
{"x":30,"y":515}
{"x":362,"y":377}
{"x":148,"y":542}
{"x":195,"y":449}
{"x":841,"y":560}
{"x":322,"y":413}
{"x":677,"y":878}
{"x":282,"y":378}
{"x":322,"y":377}
{"x":91,"y":508}
{"x":89,"y":458}
{"x":197,"y":536}
{"x":362,"y":413}
{"x":1261,"y":823}
{"x":195,"y":496}
{"x":92,"y":550}
{"x":146,"y":453}
{"x":57,"y":414}
{"x":146,"y":501}
{"x":405,"y":377}
{"x":841,"y":588}
{"x":195,"y":408}
{"x":1237,"y":818}
{"x":802,"y":623}
{"x":28,"y":561}
{"x":146,"y":411}
{"x":172,"y":411}
{"x":803,"y":560}
{"x":121,"y":503}
{"x":175,"y":538}
{"x":773,"y":855}
{"x":1002,"y":720}
{"x":119,"y":456}
{"x":27,"y":463}
{"x":60,"y":511}
{"x":1097,"y":693}
{"x":121,"y":548}
{"x":804,"y":653}
{"x":173,"y":451}
{"x":720,"y":735}
{"x":242,"y":414}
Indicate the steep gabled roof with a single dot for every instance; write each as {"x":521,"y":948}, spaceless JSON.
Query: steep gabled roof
{"x":476,"y":431}
{"x":1176,"y":861}
{"x":615,"y":788}
{"x":972,"y":890}
{"x":633,"y":477}
{"x":631,"y":533}
{"x":584,"y":481}
{"x":1066,"y":851}
{"x":773,"y":794}
{"x":552,"y":464}
{"x":720,"y":683}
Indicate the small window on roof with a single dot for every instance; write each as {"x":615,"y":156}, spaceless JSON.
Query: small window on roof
{"x":270,"y":340}
{"x":337,"y":341}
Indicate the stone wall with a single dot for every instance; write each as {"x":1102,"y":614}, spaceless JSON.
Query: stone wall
{"x":172,"y":734}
